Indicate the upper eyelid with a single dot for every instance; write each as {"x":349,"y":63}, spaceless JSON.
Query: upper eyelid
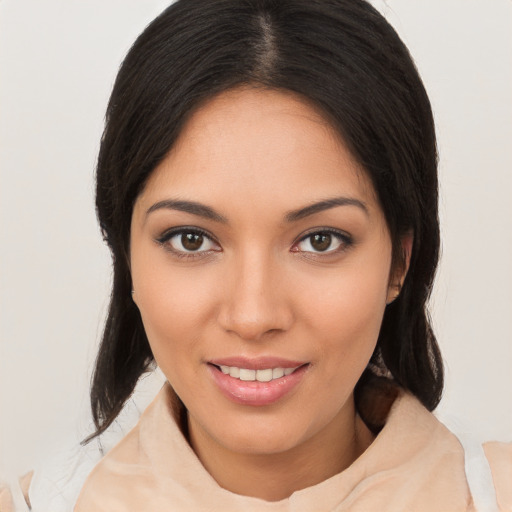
{"x":169,"y":233}
{"x":330,"y":231}
{"x":346,"y":241}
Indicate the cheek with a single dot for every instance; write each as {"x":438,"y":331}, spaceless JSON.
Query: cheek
{"x":173,"y":304}
{"x":351,"y":300}
{"x":170,"y":320}
{"x":344,"y":315}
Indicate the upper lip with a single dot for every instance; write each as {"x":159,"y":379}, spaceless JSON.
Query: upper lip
{"x":256,"y":363}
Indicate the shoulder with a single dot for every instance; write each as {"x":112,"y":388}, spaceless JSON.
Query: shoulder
{"x":488,"y":466}
{"x":57,"y":483}
{"x":54,"y":486}
{"x":14,"y":495}
{"x":499,"y":456}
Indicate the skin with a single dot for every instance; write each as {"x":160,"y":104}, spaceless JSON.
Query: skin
{"x":261,"y":288}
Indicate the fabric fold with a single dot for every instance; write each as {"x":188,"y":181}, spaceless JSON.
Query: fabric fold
{"x":415,"y":463}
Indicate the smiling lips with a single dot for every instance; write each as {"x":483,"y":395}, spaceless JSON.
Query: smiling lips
{"x":264,"y":375}
{"x":264,"y":383}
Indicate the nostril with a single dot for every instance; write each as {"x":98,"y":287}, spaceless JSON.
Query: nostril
{"x":253,"y":313}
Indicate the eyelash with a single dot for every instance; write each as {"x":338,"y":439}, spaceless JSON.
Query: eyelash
{"x":166,"y":237}
{"x":344,"y":239}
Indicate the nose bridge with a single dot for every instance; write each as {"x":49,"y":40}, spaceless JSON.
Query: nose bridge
{"x":255,"y":299}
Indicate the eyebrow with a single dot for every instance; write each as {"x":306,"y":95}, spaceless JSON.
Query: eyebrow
{"x":201,"y":210}
{"x":326,"y":204}
{"x":192,"y":207}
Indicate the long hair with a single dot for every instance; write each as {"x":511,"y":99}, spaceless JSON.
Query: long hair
{"x":339,"y":55}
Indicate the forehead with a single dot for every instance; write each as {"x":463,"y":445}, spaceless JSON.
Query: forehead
{"x":261,"y":146}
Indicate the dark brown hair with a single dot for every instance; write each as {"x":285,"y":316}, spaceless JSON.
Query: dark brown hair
{"x":344,"y":58}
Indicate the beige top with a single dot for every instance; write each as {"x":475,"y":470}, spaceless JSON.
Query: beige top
{"x":414,"y":464}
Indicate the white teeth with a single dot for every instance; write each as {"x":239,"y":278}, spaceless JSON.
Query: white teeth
{"x":264,"y":375}
{"x":247,"y":374}
{"x":277,"y":373}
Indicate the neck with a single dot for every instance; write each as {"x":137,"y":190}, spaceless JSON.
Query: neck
{"x":277,"y":476}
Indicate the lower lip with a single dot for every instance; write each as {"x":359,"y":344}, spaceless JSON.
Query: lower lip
{"x":256,"y":393}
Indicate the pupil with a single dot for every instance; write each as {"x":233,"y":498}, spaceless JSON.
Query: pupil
{"x":191,"y":241}
{"x":321,"y":241}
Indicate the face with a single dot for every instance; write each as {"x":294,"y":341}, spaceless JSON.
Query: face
{"x":261,"y":260}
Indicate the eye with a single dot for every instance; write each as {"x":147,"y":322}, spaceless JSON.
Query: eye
{"x":326,"y":242}
{"x":188,"y":241}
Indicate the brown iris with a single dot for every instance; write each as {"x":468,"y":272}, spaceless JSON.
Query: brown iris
{"x":321,"y":241}
{"x":192,"y":241}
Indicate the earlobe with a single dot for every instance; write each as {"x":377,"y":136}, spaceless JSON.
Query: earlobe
{"x":406,"y":241}
{"x":402,"y":267}
{"x":393,"y":293}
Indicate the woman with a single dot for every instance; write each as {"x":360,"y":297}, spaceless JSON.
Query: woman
{"x":267,"y":185}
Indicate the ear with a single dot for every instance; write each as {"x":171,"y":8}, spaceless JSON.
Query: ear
{"x":401,"y":267}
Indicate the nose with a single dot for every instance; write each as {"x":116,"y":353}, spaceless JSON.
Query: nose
{"x":255,"y":302}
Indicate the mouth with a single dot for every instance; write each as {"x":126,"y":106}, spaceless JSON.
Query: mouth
{"x":265,"y":383}
{"x":260,"y":375}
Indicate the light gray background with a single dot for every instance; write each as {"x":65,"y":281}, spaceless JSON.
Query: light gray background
{"x":58,"y":59}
